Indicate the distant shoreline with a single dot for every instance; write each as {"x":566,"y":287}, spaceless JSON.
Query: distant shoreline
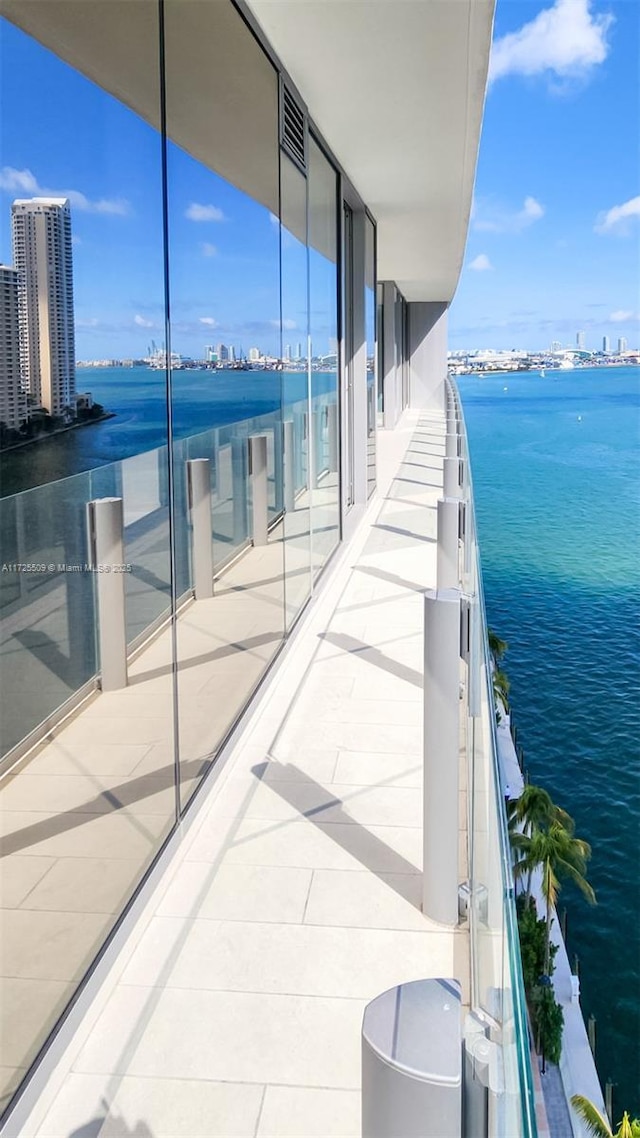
{"x":57,"y":431}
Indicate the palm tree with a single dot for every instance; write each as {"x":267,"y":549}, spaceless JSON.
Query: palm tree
{"x":535,"y":810}
{"x":559,"y":854}
{"x":497,"y":647}
{"x":599,"y":1126}
{"x":501,"y":685}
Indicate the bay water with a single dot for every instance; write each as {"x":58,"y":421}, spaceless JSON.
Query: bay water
{"x":556,"y":474}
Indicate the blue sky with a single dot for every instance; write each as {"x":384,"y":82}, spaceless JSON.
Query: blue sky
{"x":550,"y":252}
{"x":553,"y":245}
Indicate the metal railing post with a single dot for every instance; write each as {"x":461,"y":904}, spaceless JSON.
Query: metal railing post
{"x":259,"y":488}
{"x":199,"y":501}
{"x":448,"y":569}
{"x":289,"y":464}
{"x":441,"y":755}
{"x":106,"y":556}
{"x":451,"y":478}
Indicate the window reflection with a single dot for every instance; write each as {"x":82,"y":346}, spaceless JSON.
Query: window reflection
{"x":85,"y":813}
{"x":370,"y":339}
{"x":323,"y":312}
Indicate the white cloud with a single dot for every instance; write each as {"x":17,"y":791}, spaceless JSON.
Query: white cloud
{"x":617,"y":219}
{"x":142,"y":322}
{"x":23,"y":182}
{"x":209,"y":321}
{"x":622,"y":316}
{"x":287,"y":325}
{"x":209,"y":250}
{"x":481,"y":263}
{"x":196,"y":212}
{"x":492,"y":218}
{"x":565,"y":39}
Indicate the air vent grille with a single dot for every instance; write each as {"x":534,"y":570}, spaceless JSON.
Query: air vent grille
{"x":293,"y":132}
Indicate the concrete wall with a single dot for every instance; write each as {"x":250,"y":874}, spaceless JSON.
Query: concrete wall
{"x":428,"y":353}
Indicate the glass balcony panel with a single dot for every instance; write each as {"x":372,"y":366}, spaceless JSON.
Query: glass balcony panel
{"x":296,"y":388}
{"x":370,"y":312}
{"x":224,"y":283}
{"x":85,"y":810}
{"x":323,"y":325}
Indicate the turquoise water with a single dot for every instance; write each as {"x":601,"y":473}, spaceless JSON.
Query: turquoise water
{"x":556,"y":472}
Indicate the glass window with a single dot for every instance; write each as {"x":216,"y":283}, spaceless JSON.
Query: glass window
{"x":370,"y":337}
{"x":81,"y":223}
{"x":323,"y":352}
{"x":224,"y":286}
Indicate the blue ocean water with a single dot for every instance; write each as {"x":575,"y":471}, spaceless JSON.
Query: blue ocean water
{"x":138,"y":398}
{"x":556,"y":473}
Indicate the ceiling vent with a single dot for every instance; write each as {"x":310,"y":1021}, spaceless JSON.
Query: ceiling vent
{"x":293,"y":129}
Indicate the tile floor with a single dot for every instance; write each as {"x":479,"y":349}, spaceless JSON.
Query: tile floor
{"x":294,"y":899}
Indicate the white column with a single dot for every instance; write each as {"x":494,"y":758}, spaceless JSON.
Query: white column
{"x":289,"y":466}
{"x":199,"y":498}
{"x":441,"y":755}
{"x":259,"y":487}
{"x":448,"y":571}
{"x":332,"y":413}
{"x":239,"y":488}
{"x":452,"y":477}
{"x":451,"y":445}
{"x":106,"y":554}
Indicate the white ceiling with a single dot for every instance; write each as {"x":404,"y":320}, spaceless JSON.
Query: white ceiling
{"x":397,"y":88}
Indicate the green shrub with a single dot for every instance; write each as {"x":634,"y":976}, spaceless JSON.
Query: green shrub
{"x":548,"y":1022}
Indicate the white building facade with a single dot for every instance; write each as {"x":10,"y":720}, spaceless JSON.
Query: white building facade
{"x":42,"y":254}
{"x":12,"y":401}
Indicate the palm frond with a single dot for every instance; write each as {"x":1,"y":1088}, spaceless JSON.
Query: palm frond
{"x":590,"y":1115}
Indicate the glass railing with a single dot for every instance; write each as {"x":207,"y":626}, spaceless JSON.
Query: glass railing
{"x":49,"y":643}
{"x":95,"y":780}
{"x":498,"y":1003}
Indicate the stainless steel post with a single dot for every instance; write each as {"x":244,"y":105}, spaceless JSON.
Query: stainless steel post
{"x":451,"y":478}
{"x":448,"y":572}
{"x":239,"y":488}
{"x":451,"y":445}
{"x":441,"y":755}
{"x":259,"y":488}
{"x":332,"y":413}
{"x":199,"y":500}
{"x":106,"y":556}
{"x":289,"y":462}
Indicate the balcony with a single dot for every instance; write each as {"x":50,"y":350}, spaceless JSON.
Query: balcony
{"x":290,"y":893}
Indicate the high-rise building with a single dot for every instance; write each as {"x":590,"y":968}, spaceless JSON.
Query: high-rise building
{"x":299,"y":351}
{"x":42,"y":254}
{"x":287,"y":352}
{"x":556,"y":346}
{"x":254,"y":354}
{"x":222,"y":353}
{"x":232,"y":354}
{"x":12,"y":400}
{"x":606,"y":344}
{"x":622,"y":345}
{"x":580,"y":341}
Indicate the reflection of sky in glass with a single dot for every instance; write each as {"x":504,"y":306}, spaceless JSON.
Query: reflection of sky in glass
{"x":223,"y":261}
{"x":323,"y":315}
{"x":294,"y":294}
{"x":223,"y":245}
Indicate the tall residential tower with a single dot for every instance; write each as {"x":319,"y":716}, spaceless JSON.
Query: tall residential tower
{"x":12,"y":401}
{"x":42,"y":254}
